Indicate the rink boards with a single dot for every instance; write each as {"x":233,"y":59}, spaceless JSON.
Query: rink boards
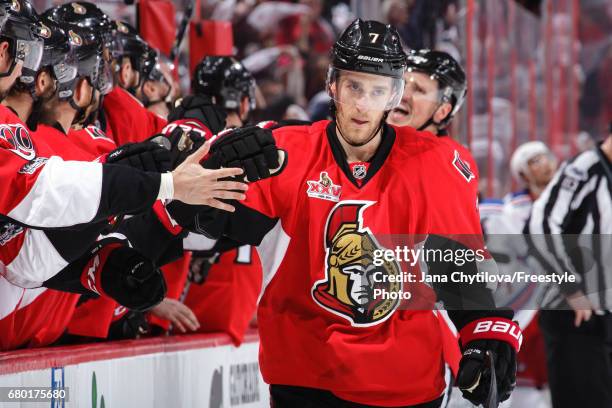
{"x":178,"y":371}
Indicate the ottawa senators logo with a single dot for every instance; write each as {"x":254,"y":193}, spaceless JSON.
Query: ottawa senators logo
{"x":44,"y":31}
{"x":348,"y":287}
{"x":122,"y":27}
{"x":78,"y":9}
{"x":75,"y":39}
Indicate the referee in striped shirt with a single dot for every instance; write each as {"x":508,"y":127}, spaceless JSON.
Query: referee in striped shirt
{"x":571,"y":230}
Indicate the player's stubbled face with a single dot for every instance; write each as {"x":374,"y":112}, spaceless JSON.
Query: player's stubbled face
{"x":419,"y":101}
{"x":361,"y":101}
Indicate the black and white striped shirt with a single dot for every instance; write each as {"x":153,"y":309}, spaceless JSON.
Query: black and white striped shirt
{"x":571,"y":227}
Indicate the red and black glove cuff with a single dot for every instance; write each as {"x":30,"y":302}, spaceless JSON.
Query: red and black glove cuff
{"x":91,"y":276}
{"x":165,"y":219}
{"x":492,"y":328}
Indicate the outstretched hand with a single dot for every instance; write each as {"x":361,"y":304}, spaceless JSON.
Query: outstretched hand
{"x":193,"y":184}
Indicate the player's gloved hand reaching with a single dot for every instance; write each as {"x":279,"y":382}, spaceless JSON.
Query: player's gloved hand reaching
{"x":145,"y":156}
{"x":200,"y":108}
{"x":195,"y":185}
{"x":180,"y":141}
{"x":129,"y":278}
{"x":496,"y":336}
{"x":132,"y":325}
{"x":114,"y":270}
{"x":250,"y":148}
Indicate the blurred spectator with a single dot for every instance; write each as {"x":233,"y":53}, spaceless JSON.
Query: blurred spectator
{"x":308,"y":31}
{"x":397,"y":13}
{"x":584,"y":141}
{"x":596,"y":98}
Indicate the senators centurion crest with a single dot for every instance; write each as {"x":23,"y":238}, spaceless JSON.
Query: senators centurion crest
{"x":348,"y":287}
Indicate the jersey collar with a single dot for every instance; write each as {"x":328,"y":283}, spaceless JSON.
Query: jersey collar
{"x":376,"y":162}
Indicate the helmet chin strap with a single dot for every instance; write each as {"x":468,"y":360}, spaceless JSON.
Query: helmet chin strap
{"x":37,"y":106}
{"x":81,"y":113}
{"x":431,"y":121}
{"x":10,"y":70}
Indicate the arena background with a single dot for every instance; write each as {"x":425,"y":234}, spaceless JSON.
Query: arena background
{"x":538,"y":70}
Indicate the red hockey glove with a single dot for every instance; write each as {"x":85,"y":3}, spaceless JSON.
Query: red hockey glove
{"x":499,"y":337}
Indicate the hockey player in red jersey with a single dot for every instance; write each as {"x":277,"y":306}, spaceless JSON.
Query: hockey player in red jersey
{"x":125,"y":115}
{"x":435,"y":89}
{"x":74,"y":80}
{"x":156,"y":85}
{"x":33,"y":178}
{"x":122,"y":117}
{"x":37,"y":317}
{"x":81,"y":58}
{"x":225,"y":283}
{"x":347,"y":187}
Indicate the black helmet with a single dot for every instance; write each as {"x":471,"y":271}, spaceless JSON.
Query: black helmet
{"x":83,"y":14}
{"x":56,"y":44}
{"x":55,"y":49}
{"x":20,"y":26}
{"x":371,"y":47}
{"x":226,"y":80}
{"x":84,"y":60}
{"x":443,"y":68}
{"x":127,"y":43}
{"x":151,"y":69}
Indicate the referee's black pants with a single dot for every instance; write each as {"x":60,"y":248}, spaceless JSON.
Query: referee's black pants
{"x":285,"y":396}
{"x":579,"y":359}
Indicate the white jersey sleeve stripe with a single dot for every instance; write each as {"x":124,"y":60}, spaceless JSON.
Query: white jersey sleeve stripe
{"x":65,"y":193}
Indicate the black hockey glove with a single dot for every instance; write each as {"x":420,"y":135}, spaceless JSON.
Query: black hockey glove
{"x":250,"y":148}
{"x":114,"y":270}
{"x":200,"y":108}
{"x":200,"y":219}
{"x":180,"y":142}
{"x":132,"y":280}
{"x":145,"y":156}
{"x":499,"y":338}
{"x":132,"y":325}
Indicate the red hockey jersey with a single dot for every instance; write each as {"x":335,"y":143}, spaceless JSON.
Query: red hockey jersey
{"x":226,"y":301}
{"x":127,"y":119}
{"x":38,"y":316}
{"x":321,"y":221}
{"x":92,"y":139}
{"x":36,"y":183}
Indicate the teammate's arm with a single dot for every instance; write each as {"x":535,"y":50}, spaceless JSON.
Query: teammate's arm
{"x":52,"y":193}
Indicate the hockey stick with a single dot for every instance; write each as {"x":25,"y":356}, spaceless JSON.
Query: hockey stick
{"x":492,"y":399}
{"x":181,"y":30}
